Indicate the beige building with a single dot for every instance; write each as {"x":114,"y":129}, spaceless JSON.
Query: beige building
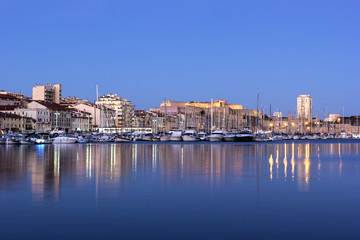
{"x":205,"y":116}
{"x":18,"y":95}
{"x":124,"y":109}
{"x":100,"y":117}
{"x":216,"y":104}
{"x":16,"y":123}
{"x":7,"y":99}
{"x":48,"y":93}
{"x":304,"y":107}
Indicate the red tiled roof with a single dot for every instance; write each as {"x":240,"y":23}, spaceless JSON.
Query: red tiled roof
{"x":8,"y":107}
{"x":53,"y":106}
{"x":8,"y":96}
{"x":11,"y":115}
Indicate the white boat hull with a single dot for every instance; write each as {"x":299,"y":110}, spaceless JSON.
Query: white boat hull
{"x":165,"y":138}
{"x":176,"y":138}
{"x":229,"y":138}
{"x":64,"y":140}
{"x":187,"y":138}
{"x":216,"y":139}
{"x":11,"y":142}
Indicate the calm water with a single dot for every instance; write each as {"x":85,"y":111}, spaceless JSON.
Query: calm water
{"x":287,"y":190}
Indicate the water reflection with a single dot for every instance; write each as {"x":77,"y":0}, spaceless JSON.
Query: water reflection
{"x":110,"y":167}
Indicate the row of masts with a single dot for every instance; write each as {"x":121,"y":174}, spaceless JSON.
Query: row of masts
{"x":215,"y":120}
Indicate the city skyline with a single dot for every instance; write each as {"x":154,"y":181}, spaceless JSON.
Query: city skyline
{"x":186,"y":51}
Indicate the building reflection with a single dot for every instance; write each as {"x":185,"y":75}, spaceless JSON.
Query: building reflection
{"x":111,"y":168}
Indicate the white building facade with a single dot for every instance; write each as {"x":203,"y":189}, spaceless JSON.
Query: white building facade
{"x":304,"y":107}
{"x":124,"y":109}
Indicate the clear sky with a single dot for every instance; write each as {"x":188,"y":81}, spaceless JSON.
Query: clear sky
{"x":186,"y":50}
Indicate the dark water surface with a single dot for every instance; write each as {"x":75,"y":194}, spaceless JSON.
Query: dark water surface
{"x":285,"y":190}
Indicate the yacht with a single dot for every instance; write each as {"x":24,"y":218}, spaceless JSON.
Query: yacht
{"x":147,"y":136}
{"x":260,"y":136}
{"x":277,"y":137}
{"x":12,"y":140}
{"x":356,"y":135}
{"x":176,"y":136}
{"x":165,"y":137}
{"x":62,"y":139}
{"x":230,"y":137}
{"x":217,"y":136}
{"x":2,"y":140}
{"x":203,"y":136}
{"x":156,"y":138}
{"x":245,"y":135}
{"x":26,"y":141}
{"x":191,"y":136}
{"x":41,"y":138}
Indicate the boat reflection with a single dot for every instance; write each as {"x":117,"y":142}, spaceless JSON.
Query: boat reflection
{"x":110,"y":168}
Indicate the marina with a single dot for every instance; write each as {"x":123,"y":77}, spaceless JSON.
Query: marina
{"x":196,"y":189}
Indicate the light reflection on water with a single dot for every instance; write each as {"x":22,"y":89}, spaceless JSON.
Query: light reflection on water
{"x":218,"y":186}
{"x":208,"y":164}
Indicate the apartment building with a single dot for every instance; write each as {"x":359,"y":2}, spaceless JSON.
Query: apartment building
{"x":48,"y":93}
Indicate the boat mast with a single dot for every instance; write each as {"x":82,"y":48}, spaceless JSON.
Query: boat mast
{"x":194,"y":116}
{"x":185,"y":120}
{"x":224,"y":123}
{"x":343,"y":125}
{"x":211,"y":116}
{"x":165,"y":116}
{"x":257,"y":111}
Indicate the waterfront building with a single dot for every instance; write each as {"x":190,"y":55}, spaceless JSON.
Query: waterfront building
{"x":48,"y":93}
{"x":100,"y":116}
{"x":332,"y":118}
{"x":124,"y":109}
{"x":278,"y":114}
{"x":15,"y":123}
{"x":8,"y":99}
{"x":198,"y":115}
{"x":73,"y":101}
{"x":17,"y":95}
{"x":80,"y":120}
{"x":304,"y":107}
{"x":47,"y":115}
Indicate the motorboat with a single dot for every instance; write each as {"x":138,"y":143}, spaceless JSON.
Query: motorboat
{"x":84,"y":139}
{"x":12,"y":140}
{"x":246,"y":135}
{"x":63,"y":139}
{"x":191,"y":136}
{"x":217,"y":136}
{"x":303,"y":137}
{"x":41,"y":138}
{"x":203,"y":136}
{"x":260,"y":136}
{"x":277,"y":137}
{"x":2,"y":140}
{"x":230,"y":137}
{"x":120,"y":140}
{"x":136,"y":136}
{"x":165,"y":137}
{"x":147,"y":136}
{"x":26,"y":141}
{"x":176,"y":136}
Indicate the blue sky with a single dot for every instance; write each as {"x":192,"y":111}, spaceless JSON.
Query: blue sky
{"x":186,"y":50}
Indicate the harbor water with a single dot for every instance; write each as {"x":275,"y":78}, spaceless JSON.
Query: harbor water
{"x":278,"y":190}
